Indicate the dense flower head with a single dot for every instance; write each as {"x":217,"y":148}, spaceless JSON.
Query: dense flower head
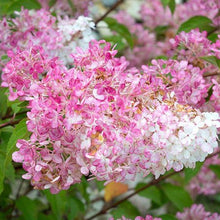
{"x":48,"y":168}
{"x":59,"y":37}
{"x":197,"y":212}
{"x":24,"y":70}
{"x":183,"y":78}
{"x":191,"y":46}
{"x":92,"y":114}
{"x":107,"y":121}
{"x":29,"y":27}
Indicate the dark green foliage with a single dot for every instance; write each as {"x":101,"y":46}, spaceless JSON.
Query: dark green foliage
{"x":201,"y":22}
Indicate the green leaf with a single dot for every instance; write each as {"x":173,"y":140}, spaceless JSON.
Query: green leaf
{"x":165,"y":2}
{"x":217,"y":197}
{"x":177,"y":195}
{"x":100,"y":184}
{"x":58,"y":203}
{"x":18,"y":4}
{"x":121,"y":29}
{"x":116,"y":40}
{"x":170,"y":3}
{"x":167,"y":217}
{"x":3,"y":101}
{"x":161,"y":57}
{"x":212,"y":59}
{"x":209,"y":202}
{"x":42,"y":216}
{"x":190,"y":172}
{"x":161,"y":29}
{"x":3,"y":216}
{"x":216,"y":169}
{"x":4,"y":4}
{"x":17,"y":105}
{"x":82,"y":188}
{"x":52,"y":3}
{"x":210,"y":91}
{"x":7,"y":129}
{"x":152,"y":193}
{"x":4,"y":57}
{"x":172,"y":6}
{"x":20,"y":132}
{"x":5,"y":202}
{"x":75,"y":208}
{"x":125,"y":209}
{"x":28,"y":208}
{"x":5,"y":134}
{"x":73,"y":8}
{"x":161,"y":32}
{"x":213,"y":37}
{"x":201,"y":22}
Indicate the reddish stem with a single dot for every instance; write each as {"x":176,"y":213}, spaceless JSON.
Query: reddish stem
{"x":9,"y":123}
{"x":211,"y":74}
{"x":110,"y":10}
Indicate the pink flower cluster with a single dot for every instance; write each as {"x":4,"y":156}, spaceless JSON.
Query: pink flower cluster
{"x":183,"y":78}
{"x":102,"y":119}
{"x":209,"y":9}
{"x":58,"y":37}
{"x":25,"y":70}
{"x":206,"y":182}
{"x":192,"y":47}
{"x":148,"y":217}
{"x":158,"y":26}
{"x":215,"y":95}
{"x":72,"y":8}
{"x":36,"y":27}
{"x":197,"y":212}
{"x":154,"y":14}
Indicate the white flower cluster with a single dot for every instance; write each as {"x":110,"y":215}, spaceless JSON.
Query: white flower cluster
{"x":195,"y":139}
{"x":178,"y":136}
{"x":75,"y":33}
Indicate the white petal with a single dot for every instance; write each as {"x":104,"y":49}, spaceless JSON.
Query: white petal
{"x":97,"y":96}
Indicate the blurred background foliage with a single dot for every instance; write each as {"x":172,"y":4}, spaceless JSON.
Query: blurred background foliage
{"x":18,"y":199}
